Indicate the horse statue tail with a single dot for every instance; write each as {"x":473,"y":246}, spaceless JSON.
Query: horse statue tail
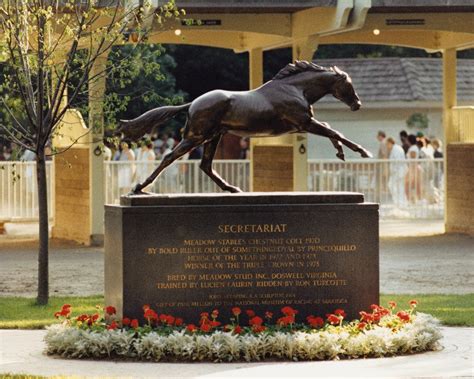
{"x":138,"y":127}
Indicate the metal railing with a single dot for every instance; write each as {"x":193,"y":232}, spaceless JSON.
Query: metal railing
{"x":18,"y":194}
{"x":180,"y":177}
{"x":404,"y":188}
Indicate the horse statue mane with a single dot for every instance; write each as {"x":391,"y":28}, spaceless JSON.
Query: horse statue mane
{"x":298,"y":67}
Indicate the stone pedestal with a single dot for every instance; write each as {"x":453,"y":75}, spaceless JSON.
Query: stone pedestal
{"x":187,"y":254}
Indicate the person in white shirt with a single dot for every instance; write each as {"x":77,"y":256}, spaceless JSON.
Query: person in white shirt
{"x":145,"y":158}
{"x":398,"y":170}
{"x":126,"y":170}
{"x":413,"y":177}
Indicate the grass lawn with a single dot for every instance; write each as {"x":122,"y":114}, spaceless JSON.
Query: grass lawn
{"x":23,"y":313}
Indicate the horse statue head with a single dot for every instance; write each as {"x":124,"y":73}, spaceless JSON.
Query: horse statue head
{"x":317,"y":81}
{"x":344,"y":91}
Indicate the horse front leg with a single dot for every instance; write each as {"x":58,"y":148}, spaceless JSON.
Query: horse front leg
{"x":323,"y":129}
{"x":182,"y":148}
{"x":338,"y":145}
{"x":206,"y":165}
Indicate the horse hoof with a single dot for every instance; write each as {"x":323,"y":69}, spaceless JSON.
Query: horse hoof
{"x":341,"y":156}
{"x":233,"y":189}
{"x":137,"y":190}
{"x":366,"y":154}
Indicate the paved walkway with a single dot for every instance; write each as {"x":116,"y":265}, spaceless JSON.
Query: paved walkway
{"x":22,"y":354}
{"x":434,"y":264}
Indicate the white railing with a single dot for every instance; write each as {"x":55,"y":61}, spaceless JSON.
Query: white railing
{"x":180,"y":177}
{"x":404,"y":188}
{"x":18,"y":194}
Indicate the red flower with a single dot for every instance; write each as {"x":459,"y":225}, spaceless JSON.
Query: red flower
{"x":258,"y":328}
{"x":205,"y":327}
{"x":376,"y":317}
{"x":110,"y":310}
{"x":392,"y":304}
{"x":287,"y":320}
{"x":150,"y":314}
{"x":191,"y":327}
{"x":288,"y":311}
{"x":404,"y":316}
{"x":250,"y":313}
{"x":215,"y":313}
{"x":82,"y":318}
{"x":125,"y":321}
{"x":374,"y":307}
{"x":361,"y":325}
{"x":57,"y":314}
{"x":237,"y":329}
{"x":340,"y":312}
{"x":204,"y":315}
{"x":236,"y":311}
{"x":214,"y":324}
{"x":66,"y":306}
{"x":166,"y":319}
{"x":113,"y":325}
{"x":367,"y":317}
{"x":413,"y":303}
{"x":65,"y":312}
{"x":145,"y":307}
{"x":268,"y":315}
{"x":383,"y":311}
{"x":315,"y":322}
{"x":256,"y":321}
{"x":178,"y":321}
{"x":95,"y":317}
{"x":333,"y":319}
{"x":134,"y":323}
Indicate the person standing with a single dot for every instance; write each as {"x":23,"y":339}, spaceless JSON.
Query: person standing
{"x":414,"y":175}
{"x":383,"y":150}
{"x":381,"y":173}
{"x":404,"y":140}
{"x":437,"y":147}
{"x":397,"y":171}
{"x":125,"y":169}
{"x":145,"y":158}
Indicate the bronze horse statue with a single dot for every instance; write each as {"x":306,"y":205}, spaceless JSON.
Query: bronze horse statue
{"x":281,"y":105}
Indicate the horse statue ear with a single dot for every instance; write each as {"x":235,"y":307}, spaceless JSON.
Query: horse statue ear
{"x":338,"y":71}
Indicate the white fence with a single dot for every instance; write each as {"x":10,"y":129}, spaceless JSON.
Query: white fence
{"x":18,"y":195}
{"x":180,"y":177}
{"x":404,"y":189}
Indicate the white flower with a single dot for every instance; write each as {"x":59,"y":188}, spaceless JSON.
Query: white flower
{"x":421,"y":334}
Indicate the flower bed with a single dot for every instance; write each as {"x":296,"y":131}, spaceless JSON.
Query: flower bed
{"x":378,"y":333}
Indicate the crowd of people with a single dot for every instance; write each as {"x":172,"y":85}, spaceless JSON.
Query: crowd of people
{"x":145,"y":153}
{"x":408,"y":180}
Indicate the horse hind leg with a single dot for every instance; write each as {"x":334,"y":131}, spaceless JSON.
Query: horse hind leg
{"x":182,"y":148}
{"x":206,"y":166}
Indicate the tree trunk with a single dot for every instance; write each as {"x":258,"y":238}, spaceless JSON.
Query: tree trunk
{"x":43,"y":278}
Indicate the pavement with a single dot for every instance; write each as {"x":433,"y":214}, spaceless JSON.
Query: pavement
{"x":22,"y":354}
